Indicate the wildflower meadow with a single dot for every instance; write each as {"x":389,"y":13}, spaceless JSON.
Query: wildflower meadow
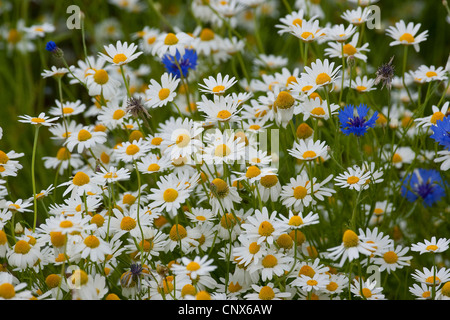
{"x":224,"y":150}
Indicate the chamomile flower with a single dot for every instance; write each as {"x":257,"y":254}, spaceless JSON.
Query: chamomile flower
{"x":307,"y":31}
{"x":62,"y":160}
{"x":320,"y":73}
{"x":111,"y":175}
{"x":254,"y":173}
{"x":432,"y":276}
{"x":363,"y":84}
{"x":297,"y":194}
{"x":350,"y":248}
{"x":170,"y":193}
{"x":406,"y":34}
{"x":94,"y":248}
{"x":12,"y":289}
{"x":121,"y":53}
{"x":290,"y":20}
{"x":298,"y":221}
{"x":129,"y":152}
{"x":270,"y":61}
{"x":426,"y":74}
{"x":267,"y":292}
{"x":222,"y":148}
{"x":400,"y":156}
{"x":422,"y":292}
{"x":433,"y":245}
{"x":196,"y":268}
{"x":217,"y":85}
{"x":318,"y":282}
{"x":79,"y":184}
{"x":337,"y":284}
{"x":309,"y":150}
{"x":438,"y":114}
{"x":340,"y":33}
{"x":317,"y":108}
{"x":158,"y":95}
{"x":40,"y":120}
{"x":262,"y":226}
{"x":19,"y":205}
{"x":100,"y":83}
{"x":151,"y":163}
{"x":84,"y":139}
{"x":127,"y":222}
{"x":68,"y":108}
{"x":367,"y":290}
{"x":220,"y":109}
{"x":271,"y":264}
{"x":184,"y":236}
{"x":357,"y":16}
{"x":269,"y":187}
{"x":23,"y":255}
{"x":113,"y":115}
{"x":354,"y":179}
{"x":170,"y":43}
{"x":392,"y":258}
{"x":54,"y":72}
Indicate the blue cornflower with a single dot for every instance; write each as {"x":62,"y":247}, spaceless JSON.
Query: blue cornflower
{"x":426,"y":184}
{"x":51,"y":46}
{"x":189,"y":61}
{"x":441,"y":132}
{"x":356,"y":122}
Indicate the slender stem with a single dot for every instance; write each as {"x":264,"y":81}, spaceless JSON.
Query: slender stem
{"x":33,"y":178}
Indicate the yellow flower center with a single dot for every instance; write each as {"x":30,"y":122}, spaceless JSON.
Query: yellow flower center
{"x":120,"y":57}
{"x":445,"y":291}
{"x":432,"y":247}
{"x":67,"y":110}
{"x":300,"y":192}
{"x":361,"y":88}
{"x":170,"y":39}
{"x":57,"y":239}
{"x":3,"y":157}
{"x":118,"y":114}
{"x":3,"y":237}
{"x":254,"y":248}
{"x":177,"y":232}
{"x":266,"y":293}
{"x":332,"y":286}
{"x":101,"y":77}
{"x":431,"y":280}
{"x":14,"y":36}
{"x":53,"y":281}
{"x":397,"y":158}
{"x":37,"y":120}
{"x":66,"y":224}
{"x":269,"y":181}
{"x":127,"y":223}
{"x":254,"y":127}
{"x":22,"y":247}
{"x":91,"y":242}
{"x":203,"y":295}
{"x":222,"y":150}
{"x":80,"y":179}
{"x":207,"y":34}
{"x":220,"y":186}
{"x":218,"y":89}
{"x":436,"y":116}
{"x":304,"y":131}
{"x":305,"y":35}
{"x":183,"y":140}
{"x":297,"y":22}
{"x":350,"y":239}
{"x":307,"y":271}
{"x":390,"y":257}
{"x":295,"y":221}
{"x":266,"y":229}
{"x":132,"y":149}
{"x":188,"y":290}
{"x":224,"y":114}
{"x":349,"y":49}
{"x":163,"y":93}
{"x":312,"y":282}
{"x":192,"y":266}
{"x":84,"y":135}
{"x":170,"y":195}
{"x":269,"y":261}
{"x":309,"y":154}
{"x":318,"y":111}
{"x":80,"y":277}
{"x":98,"y":220}
{"x":352,"y":180}
{"x":291,"y":79}
{"x":151,"y":40}
{"x":323,"y":78}
{"x":156,"y":141}
{"x":7,"y":291}
{"x":234,"y":287}
{"x":284,"y":100}
{"x":227,"y":221}
{"x":366,"y":293}
{"x":407,"y":37}
{"x":284,"y":241}
{"x":153,"y":167}
{"x":252,"y":172}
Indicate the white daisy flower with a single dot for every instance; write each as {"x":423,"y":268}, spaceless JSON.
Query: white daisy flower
{"x":68,"y":108}
{"x":170,"y":43}
{"x":217,"y":85}
{"x":100,"y":83}
{"x":158,"y":95}
{"x":307,"y":31}
{"x":298,"y":221}
{"x":267,"y":292}
{"x":40,"y":120}
{"x":121,"y":53}
{"x":129,"y":152}
{"x":309,"y":150}
{"x":320,"y":73}
{"x":353,"y":178}
{"x":392,"y":258}
{"x":316,"y":108}
{"x":263,"y":227}
{"x":84,"y":139}
{"x":221,"y":109}
{"x":432,"y":245}
{"x":363,"y":84}
{"x":438,"y":114}
{"x":406,"y":34}
{"x":367,"y":290}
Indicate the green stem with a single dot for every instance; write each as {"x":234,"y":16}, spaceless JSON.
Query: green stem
{"x":33,"y":179}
